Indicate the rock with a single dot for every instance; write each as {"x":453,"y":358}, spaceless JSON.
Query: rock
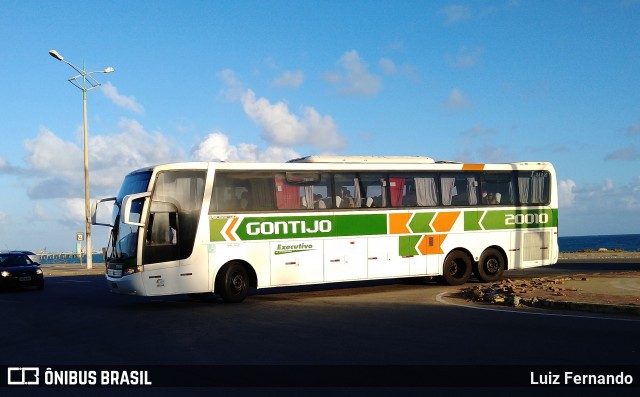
{"x":477,"y":294}
{"x":496,"y":298}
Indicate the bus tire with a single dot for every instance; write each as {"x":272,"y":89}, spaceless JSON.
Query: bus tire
{"x":457,"y":268}
{"x":491,"y":266}
{"x":233,"y":283}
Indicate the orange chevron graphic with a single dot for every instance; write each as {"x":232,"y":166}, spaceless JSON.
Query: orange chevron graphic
{"x":444,"y":221}
{"x":398,"y":223}
{"x":472,"y":167}
{"x":431,"y":244}
{"x":230,"y":228}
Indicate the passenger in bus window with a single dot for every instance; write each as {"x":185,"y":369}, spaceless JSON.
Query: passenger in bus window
{"x":318,"y":202}
{"x":244,"y":200}
{"x":347,"y":199}
{"x":490,"y":198}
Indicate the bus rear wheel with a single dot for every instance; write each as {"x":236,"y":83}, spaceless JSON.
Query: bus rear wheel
{"x":457,"y":268}
{"x":233,"y":283}
{"x":491,"y":266}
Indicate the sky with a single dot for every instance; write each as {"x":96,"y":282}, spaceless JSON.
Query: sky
{"x":470,"y":81}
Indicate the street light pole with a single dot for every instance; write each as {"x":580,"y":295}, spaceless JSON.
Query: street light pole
{"x":80,"y":81}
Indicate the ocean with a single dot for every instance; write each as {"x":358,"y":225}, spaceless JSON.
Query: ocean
{"x":55,"y":259}
{"x":625,"y":242}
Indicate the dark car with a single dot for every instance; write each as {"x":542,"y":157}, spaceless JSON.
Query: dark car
{"x":18,"y":270}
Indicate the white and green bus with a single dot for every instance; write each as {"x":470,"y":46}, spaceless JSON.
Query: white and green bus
{"x":225,"y":227}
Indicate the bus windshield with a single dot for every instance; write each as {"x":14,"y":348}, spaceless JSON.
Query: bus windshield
{"x":124,"y":237}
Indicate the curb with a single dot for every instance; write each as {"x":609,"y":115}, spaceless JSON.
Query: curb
{"x":584,"y":307}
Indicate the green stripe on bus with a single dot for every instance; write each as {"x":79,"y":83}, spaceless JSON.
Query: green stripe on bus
{"x":510,"y":219}
{"x":407,"y":245}
{"x":351,"y":225}
{"x":215,"y":228}
{"x":290,"y":227}
{"x":420,"y":222}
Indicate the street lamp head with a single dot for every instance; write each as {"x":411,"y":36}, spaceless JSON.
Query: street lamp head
{"x":55,"y":54}
{"x":108,"y":70}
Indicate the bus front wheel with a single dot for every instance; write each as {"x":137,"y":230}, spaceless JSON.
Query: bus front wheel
{"x":491,"y":266}
{"x":233,"y":283}
{"x":457,"y":268}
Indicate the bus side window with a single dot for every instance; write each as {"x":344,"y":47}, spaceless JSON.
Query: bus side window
{"x":347,"y":190}
{"x":459,"y":189}
{"x":162,"y":229}
{"x":498,"y":188}
{"x":533,"y":187}
{"x":374,"y":187}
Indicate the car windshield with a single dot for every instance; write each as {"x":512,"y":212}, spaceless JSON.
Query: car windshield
{"x":125,"y":237}
{"x":13,"y":260}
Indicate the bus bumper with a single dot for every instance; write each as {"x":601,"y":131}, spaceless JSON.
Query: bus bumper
{"x":127,"y":285}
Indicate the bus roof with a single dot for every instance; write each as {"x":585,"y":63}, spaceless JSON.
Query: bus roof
{"x":365,"y":159}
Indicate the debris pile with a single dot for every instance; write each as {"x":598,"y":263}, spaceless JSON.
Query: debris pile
{"x":519,"y":292}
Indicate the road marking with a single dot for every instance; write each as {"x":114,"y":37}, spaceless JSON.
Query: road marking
{"x":440,"y":298}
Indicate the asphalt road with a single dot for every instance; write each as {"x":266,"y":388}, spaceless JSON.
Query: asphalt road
{"x":76,"y":321}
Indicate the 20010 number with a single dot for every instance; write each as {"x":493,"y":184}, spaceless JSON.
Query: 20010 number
{"x":526,"y":219}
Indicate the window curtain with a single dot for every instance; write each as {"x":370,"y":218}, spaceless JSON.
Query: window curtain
{"x":287,"y":196}
{"x":426,"y":192}
{"x":447,"y":189}
{"x":523,"y":187}
{"x":396,"y":191}
{"x":308,"y":197}
{"x":357,"y":195}
{"x":261,"y":194}
{"x":472,"y":190}
{"x":537,"y":189}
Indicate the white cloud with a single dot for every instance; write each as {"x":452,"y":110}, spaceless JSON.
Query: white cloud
{"x":633,"y":130}
{"x":456,"y":100}
{"x":44,"y":155}
{"x":111,"y":157}
{"x":127,"y":102}
{"x":566,"y":196}
{"x":216,"y":147}
{"x":606,"y":199}
{"x":466,"y":58}
{"x":234,"y":88}
{"x":282,"y":128}
{"x":4,"y":220}
{"x":290,"y":79}
{"x":72,"y":211}
{"x":456,"y":13}
{"x":628,"y":153}
{"x":387,"y":66}
{"x":354,"y":77}
{"x":322,"y":131}
{"x":39,"y":212}
{"x":478,"y":146}
{"x":279,"y":126}
{"x":131,"y":147}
